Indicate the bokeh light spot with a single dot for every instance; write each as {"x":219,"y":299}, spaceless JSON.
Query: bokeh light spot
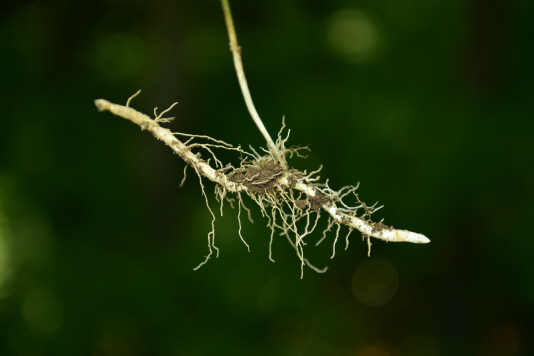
{"x":503,"y":339}
{"x":119,"y":335}
{"x":375,"y":282}
{"x":353,"y":35}
{"x":372,"y":351}
{"x":41,"y":311}
{"x":421,"y":345}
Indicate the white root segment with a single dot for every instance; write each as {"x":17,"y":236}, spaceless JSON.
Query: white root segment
{"x":386,"y":234}
{"x":365,"y":227}
{"x":165,"y":135}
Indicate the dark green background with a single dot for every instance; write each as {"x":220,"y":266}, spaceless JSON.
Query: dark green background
{"x":98,"y":242}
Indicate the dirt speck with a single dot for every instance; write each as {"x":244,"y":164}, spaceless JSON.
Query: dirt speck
{"x":318,"y":200}
{"x":378,"y":227}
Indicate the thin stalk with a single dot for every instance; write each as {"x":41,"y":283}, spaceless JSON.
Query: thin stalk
{"x":236,"y":53}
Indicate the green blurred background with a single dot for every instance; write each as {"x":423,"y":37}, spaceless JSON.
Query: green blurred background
{"x":427,"y":103}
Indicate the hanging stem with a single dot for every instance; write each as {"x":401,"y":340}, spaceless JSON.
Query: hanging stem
{"x":236,"y":52}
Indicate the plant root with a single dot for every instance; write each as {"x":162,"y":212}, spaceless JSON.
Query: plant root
{"x":286,"y":197}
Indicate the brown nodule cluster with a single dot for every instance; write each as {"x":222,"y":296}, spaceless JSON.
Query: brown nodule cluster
{"x":260,"y":178}
{"x":265,"y":177}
